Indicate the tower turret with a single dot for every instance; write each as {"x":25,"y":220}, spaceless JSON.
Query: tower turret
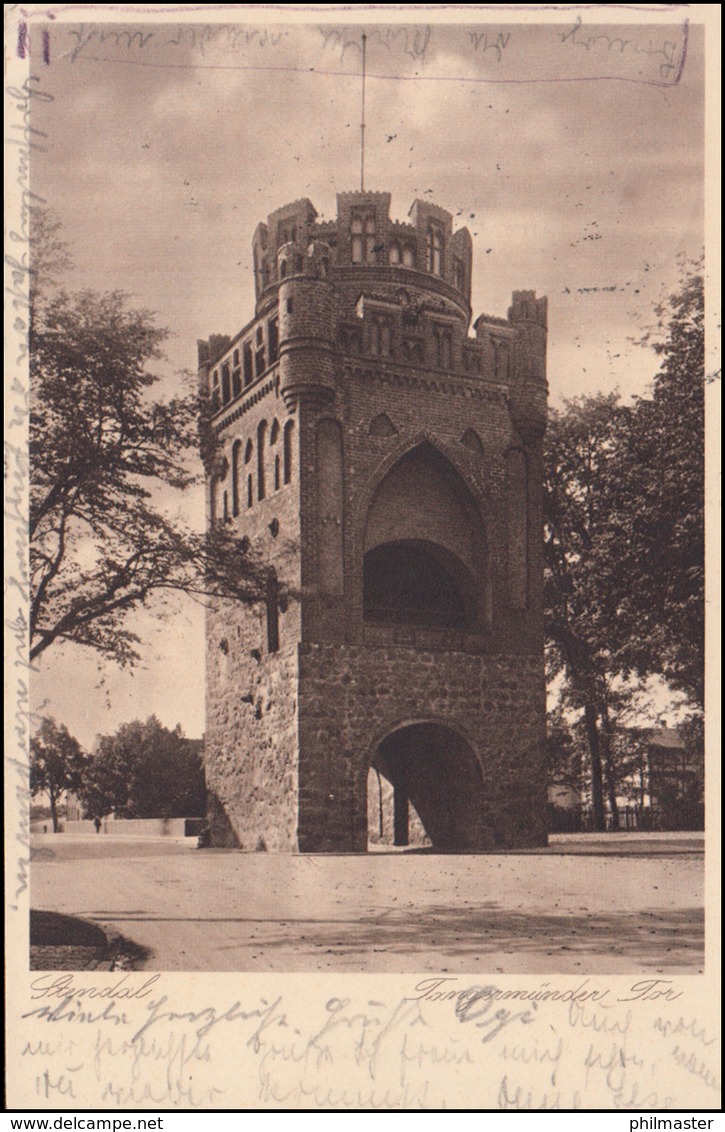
{"x":528,"y":399}
{"x":307,"y":306}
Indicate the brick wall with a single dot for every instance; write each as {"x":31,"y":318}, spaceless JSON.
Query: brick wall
{"x":251,"y":713}
{"x":291,"y":733}
{"x":351,"y":698}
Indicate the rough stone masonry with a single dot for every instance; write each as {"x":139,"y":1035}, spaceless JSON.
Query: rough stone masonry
{"x":388,"y":467}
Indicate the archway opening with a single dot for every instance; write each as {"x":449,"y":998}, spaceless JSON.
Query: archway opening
{"x":424,"y":549}
{"x":414,"y":582}
{"x":392,"y":817}
{"x":425,"y":788}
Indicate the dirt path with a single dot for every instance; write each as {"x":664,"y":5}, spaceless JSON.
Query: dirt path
{"x":612,"y":907}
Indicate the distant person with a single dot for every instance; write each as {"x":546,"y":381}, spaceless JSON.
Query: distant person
{"x":97,"y":823}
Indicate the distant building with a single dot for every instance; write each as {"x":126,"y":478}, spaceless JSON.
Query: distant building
{"x":676,"y":780}
{"x":73,"y":807}
{"x":388,"y":466}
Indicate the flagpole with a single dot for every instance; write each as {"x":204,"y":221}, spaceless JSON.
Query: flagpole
{"x":362,"y":119}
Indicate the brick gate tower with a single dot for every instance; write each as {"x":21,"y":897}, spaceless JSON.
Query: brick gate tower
{"x":387,"y":465}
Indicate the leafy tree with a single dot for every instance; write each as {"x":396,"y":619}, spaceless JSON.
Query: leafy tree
{"x":580,"y":460}
{"x":57,"y":764}
{"x":566,"y":756}
{"x":145,"y":770}
{"x":624,"y":544}
{"x":658,"y":571}
{"x":106,"y":460}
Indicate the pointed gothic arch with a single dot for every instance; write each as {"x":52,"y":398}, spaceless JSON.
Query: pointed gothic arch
{"x":423,"y":552}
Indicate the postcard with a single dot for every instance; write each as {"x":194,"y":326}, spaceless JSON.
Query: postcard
{"x":356,"y":754}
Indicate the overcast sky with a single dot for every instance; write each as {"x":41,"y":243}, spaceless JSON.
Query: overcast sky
{"x":575,"y":159}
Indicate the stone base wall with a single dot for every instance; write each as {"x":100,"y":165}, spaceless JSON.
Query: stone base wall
{"x":351,"y":698}
{"x":251,"y":756}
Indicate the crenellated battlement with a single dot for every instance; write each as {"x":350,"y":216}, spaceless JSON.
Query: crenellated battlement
{"x":525,"y":307}
{"x":364,"y":236}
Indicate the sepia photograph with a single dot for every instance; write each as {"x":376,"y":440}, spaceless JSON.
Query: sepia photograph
{"x":365,"y":617}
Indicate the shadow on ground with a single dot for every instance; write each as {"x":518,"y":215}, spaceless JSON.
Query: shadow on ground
{"x":650,"y":938}
{"x":68,"y":943}
{"x":51,"y":929}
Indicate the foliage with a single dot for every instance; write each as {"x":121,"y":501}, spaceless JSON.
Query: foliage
{"x":51,"y":257}
{"x":658,"y":572}
{"x":145,"y":770}
{"x":566,"y":755}
{"x":107,"y":462}
{"x":57,"y":764}
{"x":624,"y":544}
{"x":580,"y":452}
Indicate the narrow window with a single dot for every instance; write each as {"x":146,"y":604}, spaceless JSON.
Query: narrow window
{"x":394,"y":253}
{"x":261,"y":434}
{"x":443,"y":348}
{"x":248,"y":367}
{"x":408,"y":255}
{"x":236,"y":471}
{"x":437,"y":253}
{"x":272,"y":604}
{"x":226,"y":383}
{"x":356,"y":239}
{"x":273,"y":438}
{"x":287,"y":451}
{"x":273,"y":339}
{"x":215,"y":393}
{"x":370,"y":238}
{"x":434,"y":250}
{"x":501,"y":360}
{"x":248,"y":454}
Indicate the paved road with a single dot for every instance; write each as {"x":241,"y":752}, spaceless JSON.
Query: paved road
{"x":613,"y":904}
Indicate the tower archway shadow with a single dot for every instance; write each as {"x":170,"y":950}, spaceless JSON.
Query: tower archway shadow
{"x":434,"y":799}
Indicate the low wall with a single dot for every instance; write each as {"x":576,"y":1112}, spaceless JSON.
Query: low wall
{"x":128,"y":827}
